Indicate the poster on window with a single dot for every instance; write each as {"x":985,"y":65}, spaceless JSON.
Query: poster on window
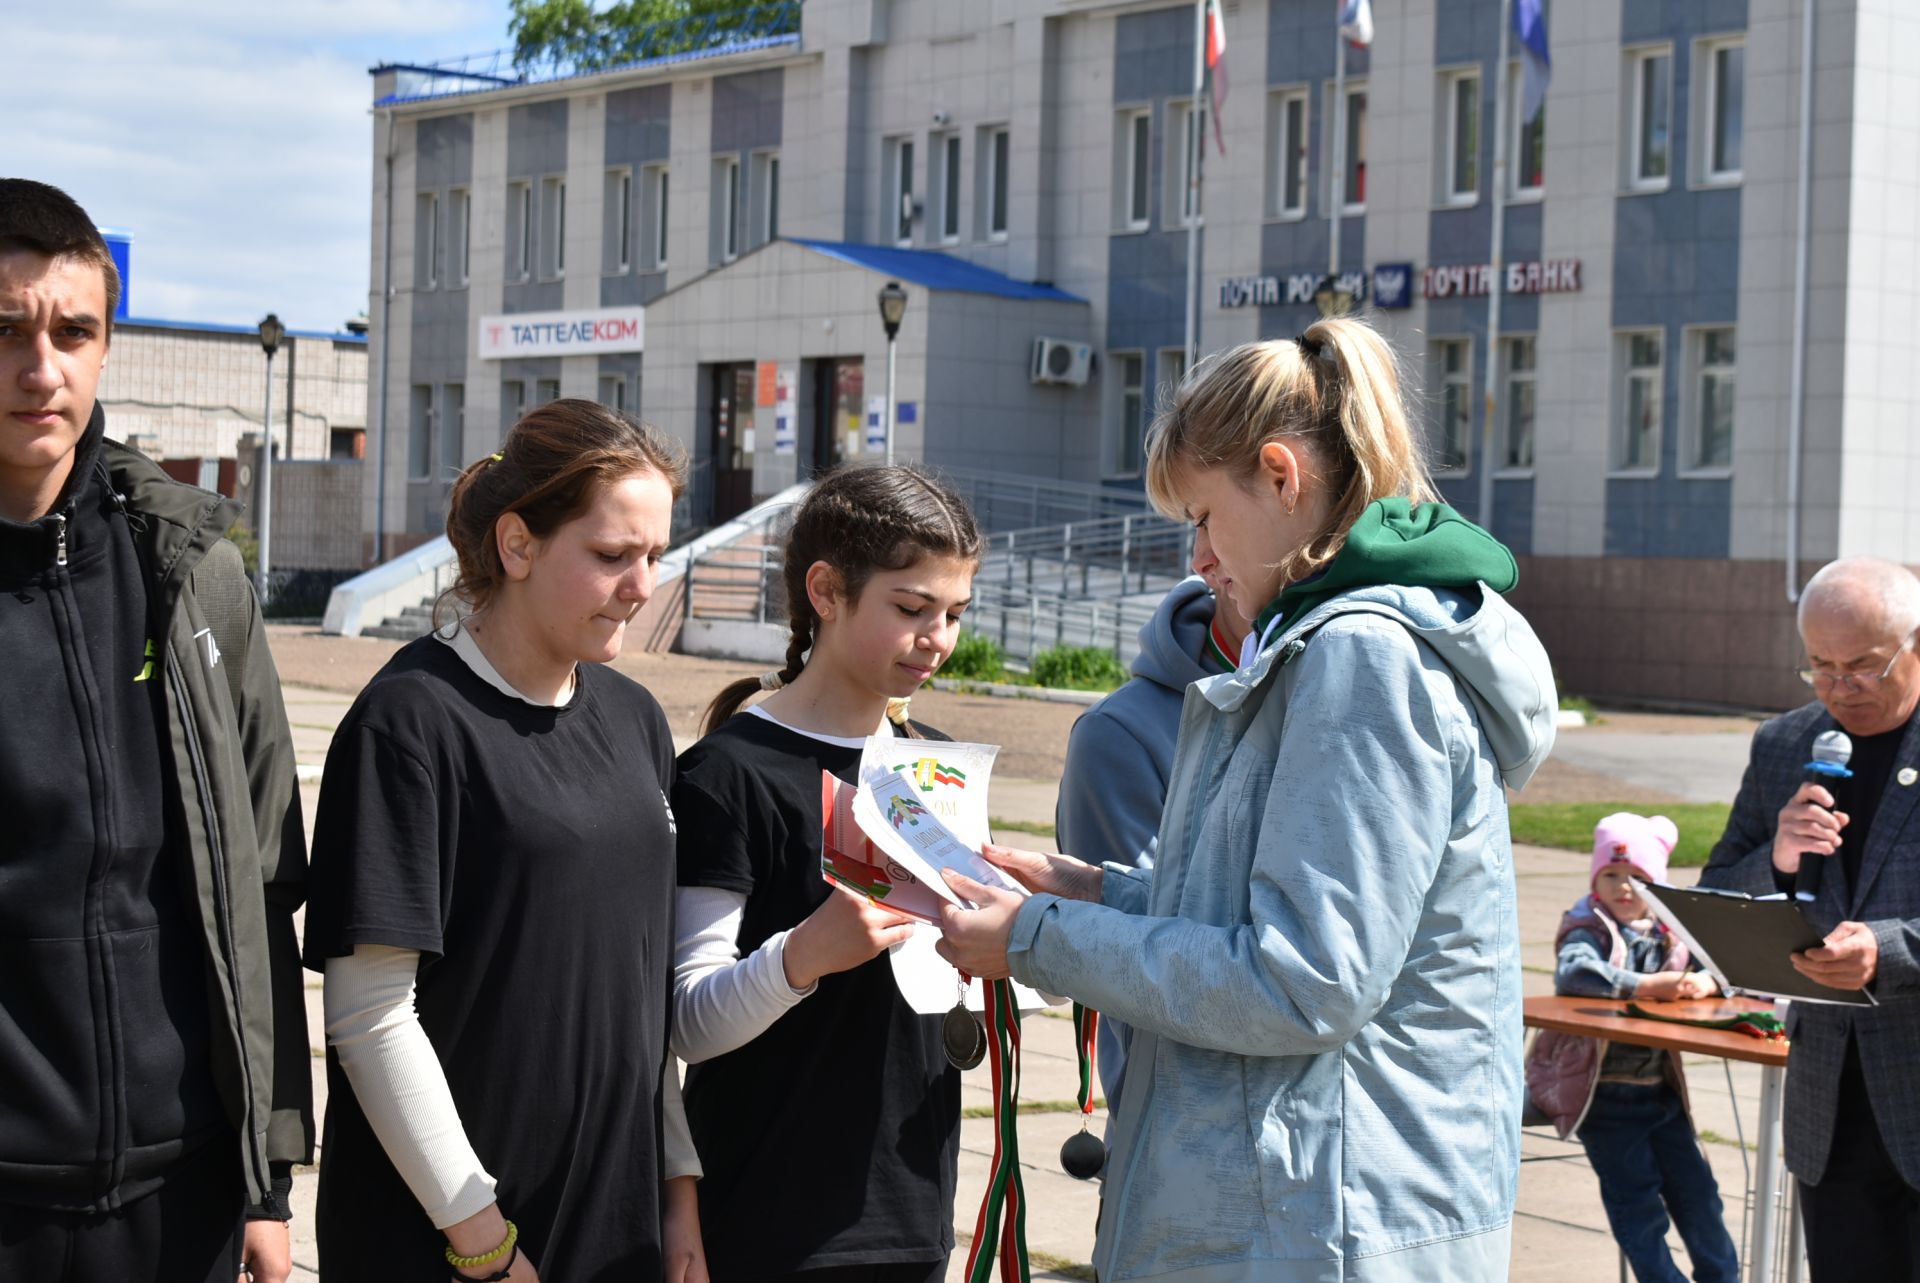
{"x":786,"y":438}
{"x":876,"y":425}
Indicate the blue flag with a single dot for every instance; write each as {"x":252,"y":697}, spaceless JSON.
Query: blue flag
{"x":1530,"y":29}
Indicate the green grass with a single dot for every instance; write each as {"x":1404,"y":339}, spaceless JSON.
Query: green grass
{"x":1569,"y":825}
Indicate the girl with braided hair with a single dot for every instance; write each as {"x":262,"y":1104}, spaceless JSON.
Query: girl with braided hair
{"x":783,"y":1003}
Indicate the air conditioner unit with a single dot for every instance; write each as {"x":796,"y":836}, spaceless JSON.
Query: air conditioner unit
{"x":1061,"y":361}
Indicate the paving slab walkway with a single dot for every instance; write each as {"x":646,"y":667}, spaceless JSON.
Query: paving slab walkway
{"x":1559,"y":1235}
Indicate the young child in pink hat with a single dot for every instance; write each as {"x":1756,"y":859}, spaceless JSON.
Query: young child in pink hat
{"x":1628,"y":1104}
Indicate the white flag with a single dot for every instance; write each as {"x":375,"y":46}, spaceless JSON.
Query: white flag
{"x":1356,"y":21}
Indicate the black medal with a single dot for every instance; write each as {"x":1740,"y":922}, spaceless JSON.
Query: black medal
{"x":1083,"y":1155}
{"x":962,"y":1037}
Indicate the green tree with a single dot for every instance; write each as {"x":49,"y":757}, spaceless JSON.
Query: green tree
{"x":576,"y":34}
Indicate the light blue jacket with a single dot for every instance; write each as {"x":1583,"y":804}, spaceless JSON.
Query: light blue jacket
{"x":1323,"y":971}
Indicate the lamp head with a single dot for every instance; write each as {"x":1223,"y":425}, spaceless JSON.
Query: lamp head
{"x":893,"y":306}
{"x":271,"y":332}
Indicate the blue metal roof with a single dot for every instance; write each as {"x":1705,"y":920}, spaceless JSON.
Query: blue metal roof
{"x":252,"y":331}
{"x":936,"y":271}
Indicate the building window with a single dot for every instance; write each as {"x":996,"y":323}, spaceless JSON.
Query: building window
{"x":1723,"y":105}
{"x":1354,"y":199}
{"x":1133,"y":168}
{"x":1711,"y":444}
{"x":616,"y":225}
{"x":949,"y":152}
{"x":1173,"y":368}
{"x":545,"y":390}
{"x":1529,"y":140}
{"x":453,"y":428}
{"x":519,"y":231}
{"x":1459,"y":118}
{"x":1287,"y":133}
{"x":900,"y":191}
{"x":765,"y":191}
{"x":513,"y":403}
{"x":1650,"y":100}
{"x":1453,"y":365}
{"x":1186,"y":134}
{"x":724,"y":205}
{"x":460,"y":236}
{"x":613,"y":391}
{"x":1637,"y":440}
{"x":995,"y":165}
{"x":1516,"y":446}
{"x":654,"y":192}
{"x":763,"y":196}
{"x":553,"y":228}
{"x":426,"y":274}
{"x":1129,"y":433}
{"x":420,"y":432}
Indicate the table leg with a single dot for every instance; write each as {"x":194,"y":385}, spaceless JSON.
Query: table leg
{"x":1767,"y":1176}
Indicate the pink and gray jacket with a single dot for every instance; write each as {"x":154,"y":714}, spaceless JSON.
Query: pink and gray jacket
{"x":1563,"y":1069}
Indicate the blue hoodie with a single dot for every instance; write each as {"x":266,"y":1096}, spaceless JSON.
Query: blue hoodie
{"x":1120,"y":756}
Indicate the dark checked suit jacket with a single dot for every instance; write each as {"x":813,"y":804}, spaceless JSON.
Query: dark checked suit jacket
{"x":1887,"y":899}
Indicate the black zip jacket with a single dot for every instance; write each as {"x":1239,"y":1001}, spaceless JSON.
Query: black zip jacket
{"x":151,"y":854}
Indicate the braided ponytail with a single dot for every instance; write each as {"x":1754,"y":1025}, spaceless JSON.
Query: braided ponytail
{"x":859,"y":521}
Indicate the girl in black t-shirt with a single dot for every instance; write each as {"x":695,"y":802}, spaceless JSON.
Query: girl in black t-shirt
{"x":490,"y":899}
{"x":825,"y":1112}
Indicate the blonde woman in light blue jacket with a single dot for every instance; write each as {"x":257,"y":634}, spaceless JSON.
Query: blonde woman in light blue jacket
{"x":1323,"y":969}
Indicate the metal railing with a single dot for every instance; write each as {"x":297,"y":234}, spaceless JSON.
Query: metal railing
{"x":1026,"y":623}
{"x":1003,"y":501}
{"x":1106,"y":557}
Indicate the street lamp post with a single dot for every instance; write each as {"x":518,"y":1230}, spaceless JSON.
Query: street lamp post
{"x":893,"y":306}
{"x":271,"y":332}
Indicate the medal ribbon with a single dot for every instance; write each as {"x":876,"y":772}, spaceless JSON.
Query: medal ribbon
{"x":1003,"y":1211}
{"x":1086,"y":1023}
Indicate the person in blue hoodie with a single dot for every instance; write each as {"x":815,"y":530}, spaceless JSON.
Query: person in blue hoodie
{"x":1322,"y":969}
{"x":1120,"y":752}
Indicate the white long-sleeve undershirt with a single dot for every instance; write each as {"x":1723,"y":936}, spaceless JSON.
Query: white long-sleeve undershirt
{"x":722,"y":1001}
{"x":373,"y":1027}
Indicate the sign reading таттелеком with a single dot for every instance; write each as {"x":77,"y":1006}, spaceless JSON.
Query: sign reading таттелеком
{"x":583,"y":333}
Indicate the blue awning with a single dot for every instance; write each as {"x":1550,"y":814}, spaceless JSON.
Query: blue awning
{"x":935,"y":271}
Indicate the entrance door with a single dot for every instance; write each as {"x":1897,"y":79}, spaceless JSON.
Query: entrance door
{"x":732,"y":420}
{"x":838,"y":383}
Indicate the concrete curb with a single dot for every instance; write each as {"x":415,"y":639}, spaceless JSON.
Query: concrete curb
{"x":1049,"y":694}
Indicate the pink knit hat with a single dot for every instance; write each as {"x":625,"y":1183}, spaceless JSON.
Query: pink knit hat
{"x":1640,"y":841}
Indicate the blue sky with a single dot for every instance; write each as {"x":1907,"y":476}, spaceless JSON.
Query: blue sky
{"x":232,"y":138}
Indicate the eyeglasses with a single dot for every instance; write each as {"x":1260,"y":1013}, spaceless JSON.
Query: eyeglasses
{"x":1818,"y":678}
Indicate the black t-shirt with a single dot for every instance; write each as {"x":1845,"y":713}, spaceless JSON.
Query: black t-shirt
{"x":1872,"y":765}
{"x":526,"y":853}
{"x":833,"y":1137}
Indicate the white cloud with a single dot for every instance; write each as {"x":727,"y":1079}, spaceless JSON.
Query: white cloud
{"x":232,"y":139}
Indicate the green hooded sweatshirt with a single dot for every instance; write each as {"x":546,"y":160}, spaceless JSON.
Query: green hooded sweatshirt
{"x":1394,"y":543}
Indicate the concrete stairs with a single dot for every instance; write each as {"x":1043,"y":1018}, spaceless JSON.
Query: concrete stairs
{"x":414,"y":621}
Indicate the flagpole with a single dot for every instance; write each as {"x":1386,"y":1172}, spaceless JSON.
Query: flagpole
{"x":1497,"y":286}
{"x":1196,"y":142}
{"x":1337,"y":196}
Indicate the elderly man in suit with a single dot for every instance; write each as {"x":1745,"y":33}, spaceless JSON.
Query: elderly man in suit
{"x":1852,"y":1111}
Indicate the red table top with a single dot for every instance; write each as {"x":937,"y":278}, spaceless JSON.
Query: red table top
{"x":1605,"y":1018}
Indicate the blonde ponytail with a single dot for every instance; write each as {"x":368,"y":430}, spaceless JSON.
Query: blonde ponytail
{"x":1335,"y":389}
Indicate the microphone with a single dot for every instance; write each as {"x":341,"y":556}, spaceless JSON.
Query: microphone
{"x":1831,"y":752}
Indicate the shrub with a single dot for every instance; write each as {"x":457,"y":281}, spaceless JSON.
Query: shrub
{"x":1086,"y":668}
{"x":975,"y":657}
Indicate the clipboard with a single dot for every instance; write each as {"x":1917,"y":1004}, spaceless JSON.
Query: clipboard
{"x":1745,"y":942}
